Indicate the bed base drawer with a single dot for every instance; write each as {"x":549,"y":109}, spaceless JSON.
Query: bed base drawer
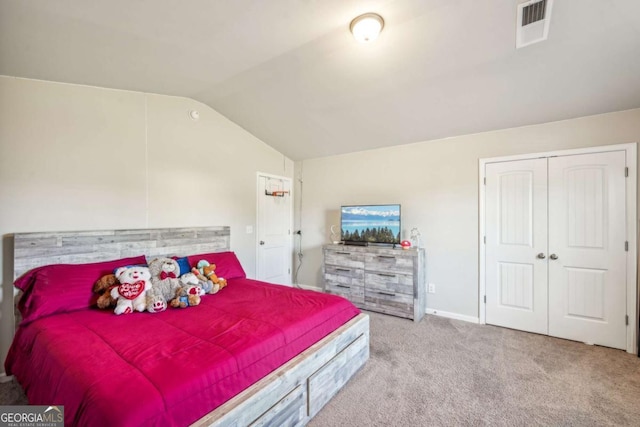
{"x":323,"y":368}
{"x":289,"y":411}
{"x":329,"y":379}
{"x":321,"y":386}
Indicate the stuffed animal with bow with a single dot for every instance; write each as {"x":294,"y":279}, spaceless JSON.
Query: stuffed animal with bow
{"x":165,"y":281}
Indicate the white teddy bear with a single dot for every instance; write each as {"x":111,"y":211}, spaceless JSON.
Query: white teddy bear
{"x":131,"y":293}
{"x":190,"y":279}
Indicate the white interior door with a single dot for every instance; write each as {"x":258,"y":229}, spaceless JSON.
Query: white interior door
{"x":587,"y":262}
{"x":516,"y":233}
{"x":555,"y":258}
{"x":274,"y":230}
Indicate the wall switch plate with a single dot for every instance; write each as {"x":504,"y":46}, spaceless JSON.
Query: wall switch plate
{"x":432,"y":288}
{"x":249,"y":229}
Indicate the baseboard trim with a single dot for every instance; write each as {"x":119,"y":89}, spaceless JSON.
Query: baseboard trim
{"x":309,"y":287}
{"x":456,"y":316}
{"x":4,"y":378}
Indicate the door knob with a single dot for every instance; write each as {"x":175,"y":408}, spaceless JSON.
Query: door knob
{"x":541,"y":255}
{"x":262,"y":242}
{"x":553,"y":256}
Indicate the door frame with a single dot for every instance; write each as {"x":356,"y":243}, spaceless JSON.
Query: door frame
{"x":257,"y":230}
{"x":630,"y":150}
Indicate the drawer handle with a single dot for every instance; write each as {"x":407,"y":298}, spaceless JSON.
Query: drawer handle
{"x":344,"y":253}
{"x":344,"y":286}
{"x":386,"y":256}
{"x":386,"y":275}
{"x":389,"y":294}
{"x":342,"y":269}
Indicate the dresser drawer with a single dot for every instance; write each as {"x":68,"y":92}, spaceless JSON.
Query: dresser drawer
{"x":389,"y":302}
{"x":348,"y":272}
{"x":352,"y":292}
{"x":382,"y":279}
{"x":344,"y":258}
{"x":389,"y":282}
{"x":389,"y":263}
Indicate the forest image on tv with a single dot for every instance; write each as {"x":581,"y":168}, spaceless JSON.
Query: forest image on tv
{"x":373,"y":224}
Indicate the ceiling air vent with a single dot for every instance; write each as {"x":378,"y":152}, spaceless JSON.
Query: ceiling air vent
{"x":533,"y":22}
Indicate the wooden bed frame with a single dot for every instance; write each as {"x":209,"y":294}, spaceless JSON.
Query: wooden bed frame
{"x":290,"y":395}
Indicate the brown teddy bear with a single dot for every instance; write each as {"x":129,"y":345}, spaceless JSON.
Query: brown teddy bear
{"x":209,"y":272}
{"x":103,"y":287}
{"x":186,"y":296}
{"x":206,"y":272}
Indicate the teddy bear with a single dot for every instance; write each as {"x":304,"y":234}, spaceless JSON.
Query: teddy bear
{"x":198,"y":274}
{"x":186,"y":296}
{"x":206,"y":284}
{"x":191,"y":279}
{"x":164,"y":281}
{"x":130,"y":294}
{"x":103,"y":287}
{"x":207,"y":273}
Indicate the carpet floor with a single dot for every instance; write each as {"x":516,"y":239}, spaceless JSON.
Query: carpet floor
{"x":443,"y":372}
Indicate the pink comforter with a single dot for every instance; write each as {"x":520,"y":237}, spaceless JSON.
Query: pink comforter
{"x":170,"y":368}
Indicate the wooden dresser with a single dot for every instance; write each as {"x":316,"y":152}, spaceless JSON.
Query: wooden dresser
{"x":375,"y":278}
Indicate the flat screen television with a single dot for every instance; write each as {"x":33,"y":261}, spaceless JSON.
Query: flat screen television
{"x":362,"y":224}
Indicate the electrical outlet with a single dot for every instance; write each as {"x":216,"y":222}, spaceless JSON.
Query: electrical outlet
{"x":432,"y":288}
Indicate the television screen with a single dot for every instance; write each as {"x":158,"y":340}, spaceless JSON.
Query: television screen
{"x":371,"y":223}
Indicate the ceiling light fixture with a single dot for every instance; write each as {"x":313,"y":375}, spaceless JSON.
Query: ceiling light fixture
{"x":367,"y":27}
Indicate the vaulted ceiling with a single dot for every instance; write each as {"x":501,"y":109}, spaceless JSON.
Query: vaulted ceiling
{"x":290,"y":72}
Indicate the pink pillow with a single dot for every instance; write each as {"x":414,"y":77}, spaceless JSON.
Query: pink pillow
{"x":227,"y":264}
{"x":60,"y":288}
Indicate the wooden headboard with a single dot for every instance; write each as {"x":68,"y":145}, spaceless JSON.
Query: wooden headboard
{"x":76,"y":247}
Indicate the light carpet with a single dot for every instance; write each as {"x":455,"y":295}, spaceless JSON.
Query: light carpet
{"x":443,"y":372}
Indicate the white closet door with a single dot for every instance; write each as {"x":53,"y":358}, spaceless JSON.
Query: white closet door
{"x":587,"y":281}
{"x":516,"y":247}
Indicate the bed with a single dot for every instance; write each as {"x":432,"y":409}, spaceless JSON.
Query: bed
{"x":252,"y":354}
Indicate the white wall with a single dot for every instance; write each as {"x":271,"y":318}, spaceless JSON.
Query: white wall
{"x":80,"y":158}
{"x":437,"y":184}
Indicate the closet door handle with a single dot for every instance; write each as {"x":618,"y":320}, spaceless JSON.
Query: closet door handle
{"x":553,"y":256}
{"x":541,"y":255}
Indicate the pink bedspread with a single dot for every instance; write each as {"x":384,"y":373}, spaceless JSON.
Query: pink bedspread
{"x":170,"y":368}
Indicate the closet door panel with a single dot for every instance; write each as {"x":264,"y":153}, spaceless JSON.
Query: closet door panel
{"x":587,"y":279}
{"x":516,"y":232}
